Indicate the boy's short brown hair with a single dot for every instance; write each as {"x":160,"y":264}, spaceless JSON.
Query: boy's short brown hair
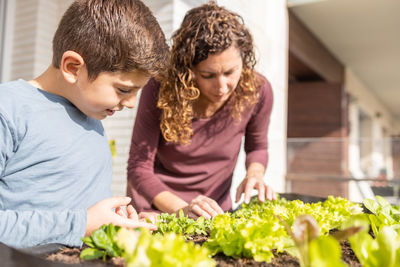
{"x":112,"y":35}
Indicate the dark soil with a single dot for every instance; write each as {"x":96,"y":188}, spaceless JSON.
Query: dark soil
{"x":71,"y":255}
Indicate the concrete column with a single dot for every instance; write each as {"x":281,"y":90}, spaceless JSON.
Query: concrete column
{"x":378,"y":146}
{"x":6,"y":40}
{"x":268,"y":22}
{"x":355,"y":193}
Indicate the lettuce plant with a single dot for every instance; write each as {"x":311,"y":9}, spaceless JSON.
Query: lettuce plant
{"x":313,"y":249}
{"x":254,"y":230}
{"x":101,"y":244}
{"x":383,"y":214}
{"x":141,"y":248}
{"x":182,"y":224}
{"x":253,"y":237}
{"x":383,"y":250}
{"x":170,"y":250}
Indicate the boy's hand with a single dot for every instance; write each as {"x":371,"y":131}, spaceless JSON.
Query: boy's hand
{"x":102,"y":213}
{"x":132,"y":214}
{"x":152,"y":216}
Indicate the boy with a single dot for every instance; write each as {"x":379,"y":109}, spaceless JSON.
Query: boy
{"x":55,"y":161}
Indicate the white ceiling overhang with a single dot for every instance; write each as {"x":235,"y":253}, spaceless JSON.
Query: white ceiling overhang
{"x":364,"y":36}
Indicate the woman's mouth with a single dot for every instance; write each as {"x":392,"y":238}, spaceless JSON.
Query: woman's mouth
{"x":219,"y":97}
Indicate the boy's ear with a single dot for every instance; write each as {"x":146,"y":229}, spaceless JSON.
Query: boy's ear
{"x":72,"y":64}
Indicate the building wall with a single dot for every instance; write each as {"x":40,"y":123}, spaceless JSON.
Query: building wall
{"x":369,"y":103}
{"x":371,"y":128}
{"x":35,"y":23}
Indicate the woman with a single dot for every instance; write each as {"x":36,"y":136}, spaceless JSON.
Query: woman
{"x":189,"y":127}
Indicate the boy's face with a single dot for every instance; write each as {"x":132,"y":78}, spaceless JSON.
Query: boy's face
{"x":109,"y":92}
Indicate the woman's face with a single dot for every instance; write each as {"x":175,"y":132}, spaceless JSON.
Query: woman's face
{"x":218,"y":75}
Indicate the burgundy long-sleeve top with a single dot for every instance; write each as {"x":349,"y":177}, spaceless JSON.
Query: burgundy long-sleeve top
{"x":206,"y":165}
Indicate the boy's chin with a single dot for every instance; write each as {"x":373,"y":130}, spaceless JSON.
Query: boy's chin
{"x":97,"y":116}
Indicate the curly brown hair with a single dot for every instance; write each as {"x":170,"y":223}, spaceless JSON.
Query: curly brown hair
{"x":208,"y":29}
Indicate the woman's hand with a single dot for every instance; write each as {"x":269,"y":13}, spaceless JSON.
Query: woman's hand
{"x":250,"y":183}
{"x":102,"y":213}
{"x":202,"y":206}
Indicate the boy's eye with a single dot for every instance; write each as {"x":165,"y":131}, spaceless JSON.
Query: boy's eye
{"x":207,"y":76}
{"x":123,"y":91}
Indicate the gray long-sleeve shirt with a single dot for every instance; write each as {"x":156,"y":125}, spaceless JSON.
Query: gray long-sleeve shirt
{"x":55,"y":162}
{"x":206,"y":165}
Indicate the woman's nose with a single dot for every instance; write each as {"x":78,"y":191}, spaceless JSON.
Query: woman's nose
{"x":222,"y":85}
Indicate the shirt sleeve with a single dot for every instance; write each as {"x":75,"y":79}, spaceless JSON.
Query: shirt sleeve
{"x":144,"y":145}
{"x":256,"y":137}
{"x":28,"y":228}
{"x":24,"y":228}
{"x":7,"y":141}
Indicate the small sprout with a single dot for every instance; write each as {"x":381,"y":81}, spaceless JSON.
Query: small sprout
{"x":311,"y":247}
{"x":305,"y":229}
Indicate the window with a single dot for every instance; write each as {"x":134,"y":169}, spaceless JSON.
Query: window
{"x":3,"y":8}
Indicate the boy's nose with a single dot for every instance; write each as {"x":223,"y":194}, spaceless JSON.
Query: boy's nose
{"x":129,"y":102}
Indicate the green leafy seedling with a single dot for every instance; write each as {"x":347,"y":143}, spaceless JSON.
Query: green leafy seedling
{"x":101,"y":243}
{"x":314,"y":249}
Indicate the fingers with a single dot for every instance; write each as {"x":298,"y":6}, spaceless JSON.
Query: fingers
{"x":152,"y":216}
{"x":270,"y":193}
{"x":207,"y":208}
{"x":214,"y":205}
{"x":248,"y":188}
{"x":102,"y":213}
{"x":128,"y":223}
{"x":120,"y":212}
{"x":261,"y":191}
{"x":204,"y":206}
{"x":132,"y":214}
{"x":239,"y":191}
{"x":115,"y":202}
{"x":250,"y":183}
{"x":198,"y":211}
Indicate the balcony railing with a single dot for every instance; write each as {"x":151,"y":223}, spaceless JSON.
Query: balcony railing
{"x":323,"y":166}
